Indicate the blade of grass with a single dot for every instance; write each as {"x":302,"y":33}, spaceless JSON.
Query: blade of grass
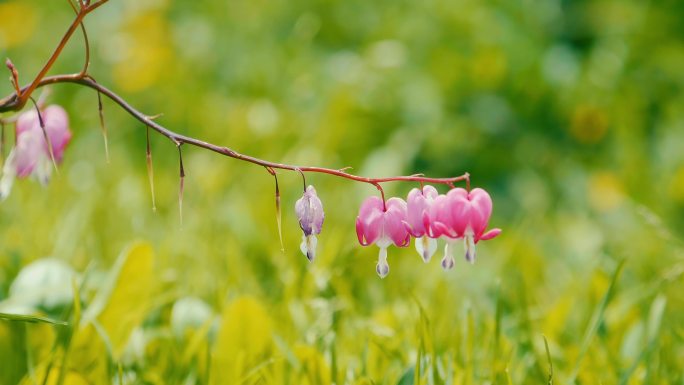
{"x":30,"y":318}
{"x":548,"y":357}
{"x":653,"y":330}
{"x":596,"y":321}
{"x":497,"y":335}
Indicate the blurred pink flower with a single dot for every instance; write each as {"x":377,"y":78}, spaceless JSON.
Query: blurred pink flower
{"x":309,"y":210}
{"x":417,"y":222}
{"x":31,"y":155}
{"x":382,"y":224}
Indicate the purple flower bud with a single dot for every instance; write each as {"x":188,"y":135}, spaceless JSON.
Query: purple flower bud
{"x":309,"y":211}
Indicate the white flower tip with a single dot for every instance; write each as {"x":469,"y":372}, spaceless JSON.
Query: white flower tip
{"x":426,"y":256}
{"x":447,"y":263}
{"x":382,"y":269}
{"x":470,"y":256}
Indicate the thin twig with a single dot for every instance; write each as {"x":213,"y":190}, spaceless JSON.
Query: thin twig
{"x":181,"y":187}
{"x":150,"y":168}
{"x":85,"y":37}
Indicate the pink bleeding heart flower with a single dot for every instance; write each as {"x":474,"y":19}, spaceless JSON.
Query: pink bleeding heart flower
{"x":382,"y":224}
{"x":309,"y":211}
{"x":418,"y":205}
{"x":462,"y":215}
{"x":31,"y":155}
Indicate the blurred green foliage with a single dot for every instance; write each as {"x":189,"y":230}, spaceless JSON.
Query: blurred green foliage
{"x":571,"y":113}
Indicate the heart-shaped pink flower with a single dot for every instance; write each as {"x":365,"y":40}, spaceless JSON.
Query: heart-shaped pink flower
{"x":382,"y":224}
{"x":461,"y":214}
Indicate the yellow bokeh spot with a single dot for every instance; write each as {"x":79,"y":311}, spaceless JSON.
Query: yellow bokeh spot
{"x":589,"y":124}
{"x":18,"y":23}
{"x":676,"y":186}
{"x":605,"y":191}
{"x":53,"y":378}
{"x":489,"y":67}
{"x":147,"y":56}
{"x":313,"y":365}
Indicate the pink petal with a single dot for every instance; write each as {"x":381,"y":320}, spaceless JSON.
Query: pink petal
{"x":489,"y":235}
{"x":430,"y":192}
{"x":370,"y":205}
{"x":56,"y":124}
{"x":370,"y":220}
{"x":480,"y":210}
{"x":406,"y":242}
{"x":440,"y":229}
{"x":27,"y":121}
{"x":27,"y":153}
{"x":416,"y":204}
{"x":393,"y":221}
{"x":408,"y":228}
{"x":427,"y":225}
{"x":440,"y":212}
{"x":459,"y":209}
{"x":57,"y":127}
{"x":359,"y":232}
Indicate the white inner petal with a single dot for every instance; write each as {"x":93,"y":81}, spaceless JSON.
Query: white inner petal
{"x":43,"y":169}
{"x":382,"y":267}
{"x":8,"y":175}
{"x":426,"y":247}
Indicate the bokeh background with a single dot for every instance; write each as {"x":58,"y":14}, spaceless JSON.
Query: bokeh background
{"x":570,"y":113}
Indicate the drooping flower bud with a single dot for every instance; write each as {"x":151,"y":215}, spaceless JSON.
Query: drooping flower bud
{"x":309,"y":210}
{"x":32,"y":155}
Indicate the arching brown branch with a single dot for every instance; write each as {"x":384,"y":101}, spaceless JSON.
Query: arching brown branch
{"x":17,"y":100}
{"x":177,"y":139}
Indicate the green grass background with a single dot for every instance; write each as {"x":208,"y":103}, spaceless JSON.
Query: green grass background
{"x":570,"y":113}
